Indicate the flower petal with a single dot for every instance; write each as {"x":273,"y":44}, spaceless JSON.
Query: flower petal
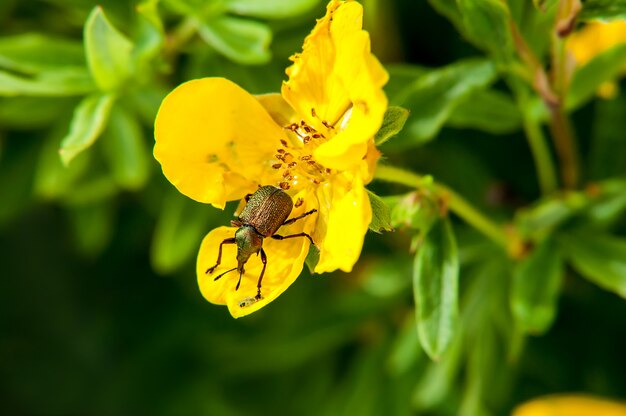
{"x":285,"y":260}
{"x":214,"y":140}
{"x":345,"y":214}
{"x":338,"y":77}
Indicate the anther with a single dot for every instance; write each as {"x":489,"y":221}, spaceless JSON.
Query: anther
{"x":292,"y":165}
{"x":283,"y":142}
{"x":280,"y":150}
{"x":307,"y":129}
{"x":287,"y":157}
{"x":328,"y":126}
{"x":306,"y":157}
{"x":280,"y":157}
{"x":285,"y":174}
{"x":317,"y":136}
{"x":306,"y":139}
{"x":284,"y":185}
{"x":277,"y":165}
{"x":313,"y":113}
{"x":299,"y":202}
{"x":316,"y":181}
{"x":302,"y":123}
{"x":328,"y":170}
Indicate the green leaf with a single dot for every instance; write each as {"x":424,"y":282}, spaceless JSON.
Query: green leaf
{"x":47,"y":84}
{"x":149,"y":39}
{"x":89,"y":121}
{"x":487,"y":24}
{"x":608,"y":207}
{"x":242,"y":40}
{"x":394,"y":120}
{"x":312,"y":258}
{"x":546,"y":215}
{"x":32,"y":53}
{"x":603,"y":9}
{"x":487,"y":110}
{"x":125,"y":149}
{"x":270,"y":9}
{"x":381,"y":214}
{"x":535,"y":289}
{"x":435,"y":288}
{"x":433,"y":97}
{"x":601,"y":258}
{"x":180,"y":228}
{"x":108,"y":51}
{"x":401,"y":75}
{"x":606,"y":66}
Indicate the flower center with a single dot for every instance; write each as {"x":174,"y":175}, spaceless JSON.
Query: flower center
{"x":295,"y":160}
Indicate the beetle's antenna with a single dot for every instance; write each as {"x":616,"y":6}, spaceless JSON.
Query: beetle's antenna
{"x":228,"y":271}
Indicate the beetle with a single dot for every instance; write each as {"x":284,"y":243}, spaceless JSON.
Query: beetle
{"x":266,"y":210}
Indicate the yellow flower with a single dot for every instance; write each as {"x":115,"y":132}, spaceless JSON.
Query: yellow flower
{"x":570,"y":405}
{"x":593,"y":39}
{"x":217,"y":143}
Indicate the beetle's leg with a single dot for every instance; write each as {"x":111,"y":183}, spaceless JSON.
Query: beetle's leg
{"x":219,"y":255}
{"x":281,"y":237}
{"x":258,"y":285}
{"x":291,"y":221}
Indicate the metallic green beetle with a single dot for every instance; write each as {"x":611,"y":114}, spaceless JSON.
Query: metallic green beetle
{"x":265,"y":212}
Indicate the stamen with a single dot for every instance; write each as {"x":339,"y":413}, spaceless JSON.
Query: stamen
{"x":284,"y":185}
{"x":327,"y":125}
{"x":285,"y":174}
{"x":306,"y":157}
{"x":280,"y":150}
{"x":283,"y":142}
{"x":292,"y":165}
{"x":299,"y":202}
{"x":277,"y":165}
{"x":280,"y":157}
{"x":313,"y":114}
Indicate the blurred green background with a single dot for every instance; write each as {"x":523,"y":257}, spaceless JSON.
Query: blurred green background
{"x":99,"y":304}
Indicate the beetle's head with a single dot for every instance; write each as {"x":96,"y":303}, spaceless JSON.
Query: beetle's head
{"x":249,"y":242}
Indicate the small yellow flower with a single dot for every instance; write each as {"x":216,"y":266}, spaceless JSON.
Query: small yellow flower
{"x":570,"y":405}
{"x":593,"y":39}
{"x":217,"y":143}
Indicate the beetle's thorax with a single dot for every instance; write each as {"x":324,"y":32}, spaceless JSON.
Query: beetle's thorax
{"x":249,"y":242}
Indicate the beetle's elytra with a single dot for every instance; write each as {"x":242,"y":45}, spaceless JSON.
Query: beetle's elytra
{"x":265,"y":212}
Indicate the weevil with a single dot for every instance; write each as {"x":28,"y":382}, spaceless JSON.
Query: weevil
{"x":266,"y":210}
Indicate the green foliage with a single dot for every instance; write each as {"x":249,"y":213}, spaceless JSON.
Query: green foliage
{"x":465,"y":309}
{"x":435,"y":288}
{"x":432,"y":97}
{"x":108,"y":52}
{"x":394,"y":120}
{"x":535,"y":288}
{"x":603,"y":9}
{"x":381,"y":215}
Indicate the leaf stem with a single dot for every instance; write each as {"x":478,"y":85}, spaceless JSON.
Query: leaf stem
{"x":456,"y":203}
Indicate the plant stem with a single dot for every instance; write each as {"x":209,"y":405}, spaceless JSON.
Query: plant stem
{"x":456,"y":203}
{"x":180,"y":36}
{"x":565,"y":147}
{"x":541,"y":154}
